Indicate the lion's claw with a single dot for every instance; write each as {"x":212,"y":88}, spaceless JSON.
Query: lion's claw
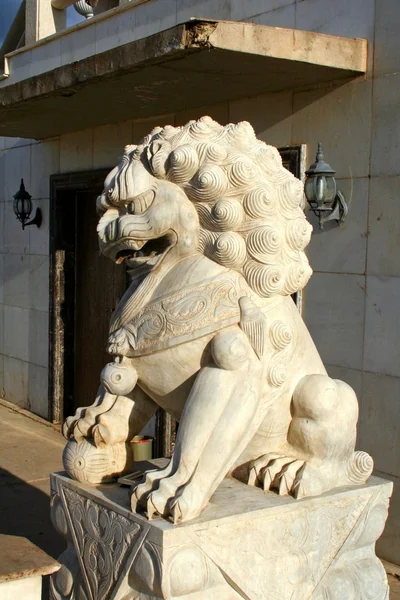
{"x":274,"y":471}
{"x":152,"y":509}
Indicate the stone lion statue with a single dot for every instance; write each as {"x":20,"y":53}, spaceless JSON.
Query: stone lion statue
{"x":210,"y":225}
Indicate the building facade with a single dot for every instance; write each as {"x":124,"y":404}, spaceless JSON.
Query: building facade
{"x":350,"y":303}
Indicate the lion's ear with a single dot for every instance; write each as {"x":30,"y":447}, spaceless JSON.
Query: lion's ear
{"x":157,"y":155}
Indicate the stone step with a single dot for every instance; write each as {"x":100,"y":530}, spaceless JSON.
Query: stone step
{"x":22,"y":567}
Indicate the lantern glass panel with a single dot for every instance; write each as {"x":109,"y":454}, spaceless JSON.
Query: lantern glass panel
{"x":309,"y":189}
{"x":330,"y":188}
{"x":22,"y":207}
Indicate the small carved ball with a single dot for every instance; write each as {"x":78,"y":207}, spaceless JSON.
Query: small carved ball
{"x":118,"y":379}
{"x":86,"y":463}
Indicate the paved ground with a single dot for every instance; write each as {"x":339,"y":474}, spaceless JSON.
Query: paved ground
{"x":29,"y":451}
{"x":394,"y":583}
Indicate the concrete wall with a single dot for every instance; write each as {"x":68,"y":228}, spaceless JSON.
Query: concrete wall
{"x":24,"y":275}
{"x":351,"y":303}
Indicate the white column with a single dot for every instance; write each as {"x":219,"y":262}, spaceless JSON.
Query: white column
{"x":42,"y":20}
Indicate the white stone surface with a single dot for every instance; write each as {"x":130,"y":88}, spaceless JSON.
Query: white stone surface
{"x":47,"y":155}
{"x":333,"y":309}
{"x":380,"y":441}
{"x":284,"y":16}
{"x":28,"y":588}
{"x":382,"y":322}
{"x":16,"y":332}
{"x":107,"y":143}
{"x":111,"y":32}
{"x":46,"y":57}
{"x":76,"y":151}
{"x":21,"y":66}
{"x":386,"y":49}
{"x":39,"y":282}
{"x":78,"y":45}
{"x":155,"y":17}
{"x":39,"y":236}
{"x":343,"y":249}
{"x":247,"y":544}
{"x":38,"y":390}
{"x":2,"y":175}
{"x":38,"y":338}
{"x":1,"y":329}
{"x":385,"y":151}
{"x":388,"y":545}
{"x":207,"y":328}
{"x":353,"y":378}
{"x":245,"y":9}
{"x":1,"y":373}
{"x":384,"y":227}
{"x":341,"y":118}
{"x":1,"y":273}
{"x":16,"y":240}
{"x":339,"y":18}
{"x":2,"y":211}
{"x":17,"y":166}
{"x":16,"y":280}
{"x":16,"y":381}
{"x":270,"y":115}
{"x":211,"y":9}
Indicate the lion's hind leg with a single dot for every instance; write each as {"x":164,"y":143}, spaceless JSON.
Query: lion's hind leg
{"x":319,"y":452}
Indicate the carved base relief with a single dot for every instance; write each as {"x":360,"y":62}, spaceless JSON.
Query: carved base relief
{"x":247,"y":544}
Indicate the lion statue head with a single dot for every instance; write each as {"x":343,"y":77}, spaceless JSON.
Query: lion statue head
{"x":229,"y":196}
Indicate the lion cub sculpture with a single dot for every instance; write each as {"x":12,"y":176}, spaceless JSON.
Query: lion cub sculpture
{"x":210,"y":225}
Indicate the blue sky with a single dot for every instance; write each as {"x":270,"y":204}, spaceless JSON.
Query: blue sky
{"x":9,"y":8}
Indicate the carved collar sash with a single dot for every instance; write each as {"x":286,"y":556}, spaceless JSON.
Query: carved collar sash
{"x":186,"y":315}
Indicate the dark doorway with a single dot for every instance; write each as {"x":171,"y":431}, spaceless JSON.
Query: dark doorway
{"x":85,"y":288}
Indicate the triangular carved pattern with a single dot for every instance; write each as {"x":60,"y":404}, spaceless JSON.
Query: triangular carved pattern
{"x":282,"y":556}
{"x":103,"y":539}
{"x":356,"y":569}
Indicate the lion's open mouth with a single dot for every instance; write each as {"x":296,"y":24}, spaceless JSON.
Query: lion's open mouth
{"x":140,"y":253}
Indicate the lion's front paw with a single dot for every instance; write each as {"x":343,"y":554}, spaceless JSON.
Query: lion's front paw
{"x":166,"y":495}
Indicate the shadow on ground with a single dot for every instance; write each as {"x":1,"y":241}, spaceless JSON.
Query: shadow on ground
{"x":25,"y":512}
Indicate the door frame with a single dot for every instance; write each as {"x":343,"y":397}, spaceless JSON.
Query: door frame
{"x":91,"y":181}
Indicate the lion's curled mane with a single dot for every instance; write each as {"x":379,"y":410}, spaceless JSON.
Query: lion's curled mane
{"x":248,"y":204}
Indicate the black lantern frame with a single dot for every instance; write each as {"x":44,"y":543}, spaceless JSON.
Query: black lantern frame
{"x":22,"y":206}
{"x":326,"y":202}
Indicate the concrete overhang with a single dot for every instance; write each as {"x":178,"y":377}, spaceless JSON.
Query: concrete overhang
{"x":197,"y":63}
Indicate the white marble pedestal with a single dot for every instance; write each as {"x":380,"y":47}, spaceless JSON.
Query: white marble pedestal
{"x":247,"y":545}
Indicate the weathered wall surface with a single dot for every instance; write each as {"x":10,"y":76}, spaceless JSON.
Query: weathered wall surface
{"x":351,"y":303}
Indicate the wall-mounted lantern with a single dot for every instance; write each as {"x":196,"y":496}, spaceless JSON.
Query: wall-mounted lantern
{"x":23,"y":208}
{"x":326,"y":202}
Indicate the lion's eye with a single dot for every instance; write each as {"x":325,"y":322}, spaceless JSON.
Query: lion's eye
{"x":141,"y":203}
